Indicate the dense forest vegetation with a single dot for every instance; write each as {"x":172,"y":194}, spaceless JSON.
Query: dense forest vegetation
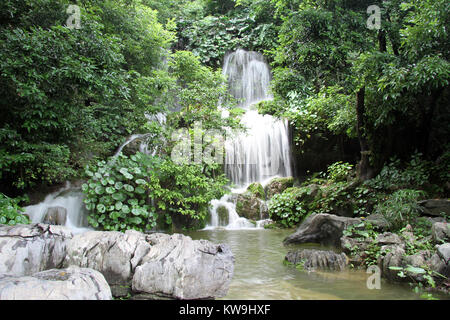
{"x":375,"y":98}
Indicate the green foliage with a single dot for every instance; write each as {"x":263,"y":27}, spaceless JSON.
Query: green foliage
{"x":133,"y":192}
{"x":10,"y":211}
{"x":339,"y":171}
{"x":257,"y":189}
{"x":287,"y":209}
{"x":400,"y":208}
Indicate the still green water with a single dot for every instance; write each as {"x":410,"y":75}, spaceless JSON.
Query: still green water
{"x":260,"y":273}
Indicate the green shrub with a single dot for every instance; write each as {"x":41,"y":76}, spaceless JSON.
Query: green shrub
{"x":401,"y":208}
{"x":339,"y":171}
{"x":11,"y":212}
{"x":132,"y":192}
{"x":286,"y":209}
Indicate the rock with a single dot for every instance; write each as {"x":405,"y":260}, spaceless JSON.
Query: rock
{"x":264,"y":223}
{"x":440,"y":231}
{"x":251,"y":207}
{"x":257,"y":189}
{"x":278,"y":185}
{"x":28,"y":249}
{"x":388,"y":238}
{"x":444,"y":252}
{"x":224,"y":216}
{"x":180,"y":267}
{"x":114,"y":254}
{"x":119,"y":291}
{"x":438,"y":265}
{"x":393,"y":258}
{"x":435,"y":207}
{"x":72,"y":283}
{"x":318,"y":259}
{"x":56,"y":216}
{"x":378,"y":221}
{"x":321,"y":228}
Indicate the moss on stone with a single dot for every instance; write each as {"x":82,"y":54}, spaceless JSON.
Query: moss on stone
{"x":257,"y":189}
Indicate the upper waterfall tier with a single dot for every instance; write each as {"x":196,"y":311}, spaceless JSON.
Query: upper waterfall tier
{"x":248,"y":76}
{"x":264,"y":150}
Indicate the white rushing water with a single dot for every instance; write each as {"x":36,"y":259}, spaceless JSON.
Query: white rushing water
{"x":69,"y":198}
{"x":263,"y":151}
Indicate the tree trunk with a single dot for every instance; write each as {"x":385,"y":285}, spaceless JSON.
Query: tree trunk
{"x":364,"y":170}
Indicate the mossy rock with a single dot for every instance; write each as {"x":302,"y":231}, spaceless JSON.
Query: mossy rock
{"x":223,"y":215}
{"x":278,"y":185}
{"x":257,"y":189}
{"x":251,"y":207}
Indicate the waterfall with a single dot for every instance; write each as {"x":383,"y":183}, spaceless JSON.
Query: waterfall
{"x":263,"y":151}
{"x":68,"y":198}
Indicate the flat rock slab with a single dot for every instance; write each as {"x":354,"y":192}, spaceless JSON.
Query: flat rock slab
{"x":180,"y":267}
{"x":73,"y":283}
{"x":27,"y":249}
{"x":321,"y":228}
{"x":312,"y":259}
{"x":435,"y":207}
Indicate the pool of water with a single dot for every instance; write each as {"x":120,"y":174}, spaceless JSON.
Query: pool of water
{"x":260,"y":273}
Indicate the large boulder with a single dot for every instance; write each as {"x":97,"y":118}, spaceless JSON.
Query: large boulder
{"x":278,"y":185}
{"x":156,"y":264}
{"x":321,"y":228}
{"x":435,"y":207}
{"x":250,"y":206}
{"x":443,"y":252}
{"x":114,"y":254}
{"x":440,"y":231}
{"x":312,"y":259}
{"x":56,"y":216}
{"x":73,"y":283}
{"x":28,"y":249}
{"x":180,"y":267}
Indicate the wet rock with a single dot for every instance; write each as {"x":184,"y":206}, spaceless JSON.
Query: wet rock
{"x":56,"y":216}
{"x":182,"y":268}
{"x":72,"y":283}
{"x":278,"y":185}
{"x":440,"y":231}
{"x":435,"y":207}
{"x":318,"y":259}
{"x":28,"y":249}
{"x":321,"y":228}
{"x":114,"y":254}
{"x":251,"y":207}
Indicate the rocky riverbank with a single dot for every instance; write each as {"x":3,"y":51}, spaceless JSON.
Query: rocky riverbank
{"x":102,"y":265}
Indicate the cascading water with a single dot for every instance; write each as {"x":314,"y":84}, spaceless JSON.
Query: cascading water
{"x":68,"y":198}
{"x":263,"y":151}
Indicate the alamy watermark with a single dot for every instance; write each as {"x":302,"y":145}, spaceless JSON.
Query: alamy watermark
{"x":74,"y":20}
{"x":374,"y":20}
{"x":373,"y":281}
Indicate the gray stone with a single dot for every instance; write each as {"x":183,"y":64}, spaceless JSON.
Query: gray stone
{"x":321,"y":228}
{"x":180,"y":267}
{"x":312,"y":259}
{"x":440,"y":231}
{"x":435,"y":207}
{"x":114,"y":254}
{"x":393,"y":258}
{"x":444,"y":252}
{"x":388,"y":238}
{"x":56,"y":216}
{"x":72,"y":283}
{"x":28,"y":249}
{"x":378,"y":221}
